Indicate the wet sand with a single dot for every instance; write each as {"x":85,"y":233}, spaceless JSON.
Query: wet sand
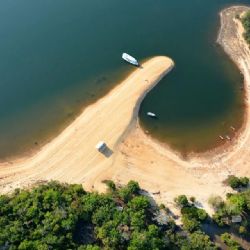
{"x":132,"y":154}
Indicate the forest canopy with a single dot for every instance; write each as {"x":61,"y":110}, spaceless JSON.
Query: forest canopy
{"x":63,"y":216}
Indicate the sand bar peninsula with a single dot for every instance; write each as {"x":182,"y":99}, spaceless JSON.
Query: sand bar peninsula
{"x":72,"y":157}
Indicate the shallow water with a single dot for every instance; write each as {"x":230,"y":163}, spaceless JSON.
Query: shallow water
{"x":58,"y":56}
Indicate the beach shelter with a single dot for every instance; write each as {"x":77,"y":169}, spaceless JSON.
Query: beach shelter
{"x":100,"y":146}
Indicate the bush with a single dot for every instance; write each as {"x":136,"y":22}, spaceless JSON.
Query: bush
{"x":236,"y":204}
{"x":202,"y":214}
{"x":133,"y":187}
{"x":242,"y":230}
{"x":246,"y":23}
{"x":194,"y":213}
{"x":126,"y":193}
{"x":111,"y":185}
{"x":190,"y":224}
{"x":192,"y":199}
{"x":216,"y":202}
{"x":199,"y":240}
{"x":235,"y":182}
{"x":219,"y":217}
{"x":244,"y":181}
{"x":229,"y":241}
{"x":181,"y":201}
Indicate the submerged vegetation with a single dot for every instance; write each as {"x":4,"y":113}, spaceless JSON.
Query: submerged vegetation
{"x":246,"y":23}
{"x":63,"y":216}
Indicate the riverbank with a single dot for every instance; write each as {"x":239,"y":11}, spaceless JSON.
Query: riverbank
{"x":163,"y":172}
{"x":71,"y":157}
{"x":232,"y":41}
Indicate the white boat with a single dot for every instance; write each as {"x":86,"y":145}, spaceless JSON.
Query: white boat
{"x":151,"y":114}
{"x":130,"y":59}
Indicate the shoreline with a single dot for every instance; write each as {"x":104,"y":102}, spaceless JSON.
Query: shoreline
{"x":202,"y":174}
{"x":137,"y":155}
{"x":222,"y":41}
{"x":125,"y":97}
{"x":222,"y":37}
{"x":216,"y":149}
{"x":229,"y":45}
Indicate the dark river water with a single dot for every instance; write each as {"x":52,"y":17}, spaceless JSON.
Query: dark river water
{"x":58,"y":56}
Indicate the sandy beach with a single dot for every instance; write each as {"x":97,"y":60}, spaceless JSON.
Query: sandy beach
{"x":72,"y":157}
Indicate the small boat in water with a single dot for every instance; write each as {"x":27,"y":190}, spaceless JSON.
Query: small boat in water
{"x":130,"y":59}
{"x":151,"y":114}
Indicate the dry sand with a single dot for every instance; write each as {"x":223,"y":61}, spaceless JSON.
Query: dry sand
{"x":71,"y":157}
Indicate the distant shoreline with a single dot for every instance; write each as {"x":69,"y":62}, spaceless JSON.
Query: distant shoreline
{"x":231,"y":40}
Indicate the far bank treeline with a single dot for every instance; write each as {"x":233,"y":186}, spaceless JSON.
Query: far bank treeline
{"x":246,"y":23}
{"x":62,"y":216}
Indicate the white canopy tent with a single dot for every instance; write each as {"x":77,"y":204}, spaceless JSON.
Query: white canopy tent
{"x":100,"y":146}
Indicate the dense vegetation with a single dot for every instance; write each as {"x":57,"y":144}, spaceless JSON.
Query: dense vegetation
{"x":236,"y":205}
{"x":246,"y":23}
{"x":61,"y":216}
{"x":237,"y":182}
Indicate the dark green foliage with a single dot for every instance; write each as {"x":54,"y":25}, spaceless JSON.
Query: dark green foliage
{"x":246,"y":23}
{"x":133,"y":186}
{"x":221,"y":217}
{"x":192,"y":241}
{"x":61,"y":216}
{"x":89,"y":247}
{"x":44,"y":217}
{"x":192,"y":217}
{"x":181,"y":201}
{"x":190,"y":224}
{"x":230,"y":242}
{"x":126,"y":193}
{"x":110,"y":184}
{"x":237,"y":204}
{"x":235,"y":182}
{"x":148,"y":239}
{"x":199,"y":240}
{"x":194,"y":213}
